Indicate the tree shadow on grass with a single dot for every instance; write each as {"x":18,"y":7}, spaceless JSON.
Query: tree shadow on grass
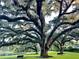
{"x":37,"y":57}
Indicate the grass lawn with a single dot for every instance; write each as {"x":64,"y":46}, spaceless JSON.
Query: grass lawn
{"x":67,"y":55}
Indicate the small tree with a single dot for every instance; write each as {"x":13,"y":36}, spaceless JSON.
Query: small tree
{"x":66,"y":38}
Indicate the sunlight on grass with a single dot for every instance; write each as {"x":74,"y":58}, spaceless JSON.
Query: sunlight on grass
{"x":67,"y":55}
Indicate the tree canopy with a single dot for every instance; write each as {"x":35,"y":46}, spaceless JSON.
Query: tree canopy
{"x":26,"y":21}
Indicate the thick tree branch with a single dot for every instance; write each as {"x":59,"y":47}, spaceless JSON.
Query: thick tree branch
{"x":67,"y":7}
{"x":32,"y":29}
{"x":24,"y":32}
{"x":60,"y":11}
{"x":63,"y":12}
{"x":40,"y":14}
{"x":9,"y":29}
{"x":42,"y":20}
{"x":30,"y":40}
{"x":31,"y":36}
{"x":62,"y":23}
{"x":58,"y":42}
{"x":13,"y":19}
{"x":58,"y":1}
{"x":34,"y":20}
{"x":63,"y":32}
{"x":16,"y":3}
{"x":18,"y":42}
{"x":73,"y":11}
{"x":39,"y":7}
{"x":53,"y":30}
{"x":66,"y":3}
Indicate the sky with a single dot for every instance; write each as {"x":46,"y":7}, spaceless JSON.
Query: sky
{"x":51,"y":17}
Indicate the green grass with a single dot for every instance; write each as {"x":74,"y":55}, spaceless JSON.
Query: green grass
{"x":67,"y":55}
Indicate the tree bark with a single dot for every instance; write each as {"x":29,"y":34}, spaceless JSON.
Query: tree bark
{"x":44,"y":52}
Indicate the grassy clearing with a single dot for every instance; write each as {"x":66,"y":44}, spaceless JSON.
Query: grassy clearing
{"x":67,"y":55}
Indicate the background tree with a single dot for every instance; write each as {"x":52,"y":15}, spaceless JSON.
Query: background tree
{"x":67,"y":37}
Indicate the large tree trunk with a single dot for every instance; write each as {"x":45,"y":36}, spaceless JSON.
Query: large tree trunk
{"x":44,"y":52}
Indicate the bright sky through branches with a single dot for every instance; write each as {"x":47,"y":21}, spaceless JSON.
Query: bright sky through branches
{"x":55,"y":14}
{"x":2,"y":3}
